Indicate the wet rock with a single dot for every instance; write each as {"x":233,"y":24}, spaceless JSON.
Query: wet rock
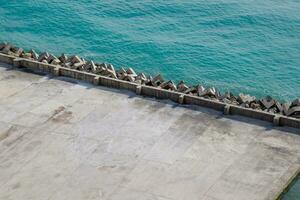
{"x":181,"y":87}
{"x":268,"y":102}
{"x":34,"y":55}
{"x":245,"y":98}
{"x":43,"y":56}
{"x":296,"y":102}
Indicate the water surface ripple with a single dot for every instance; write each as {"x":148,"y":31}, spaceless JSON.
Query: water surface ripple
{"x":237,"y":45}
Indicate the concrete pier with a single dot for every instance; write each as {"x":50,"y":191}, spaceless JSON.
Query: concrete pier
{"x":64,"y":139}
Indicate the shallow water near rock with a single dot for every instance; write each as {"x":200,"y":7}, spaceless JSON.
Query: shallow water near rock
{"x":241,"y":46}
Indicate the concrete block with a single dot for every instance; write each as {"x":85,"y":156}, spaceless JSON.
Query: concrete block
{"x":276,"y":120}
{"x":43,"y":56}
{"x":96,"y":80}
{"x":17,"y":51}
{"x":138,"y":90}
{"x":63,"y":58}
{"x":75,"y":59}
{"x":2,"y":45}
{"x":268,"y":102}
{"x":56,"y":71}
{"x":131,"y":72}
{"x":181,"y":99}
{"x":296,"y":102}
{"x":17,"y":62}
{"x":141,"y":77}
{"x":181,"y":87}
{"x":245,"y":98}
{"x":34,"y":55}
{"x":294,"y":110}
{"x":157,"y":80}
{"x":226,"y":110}
{"x":200,"y":90}
{"x":121,"y":73}
{"x":6,"y":49}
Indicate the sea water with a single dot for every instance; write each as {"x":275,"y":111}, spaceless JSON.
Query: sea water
{"x":249,"y":46}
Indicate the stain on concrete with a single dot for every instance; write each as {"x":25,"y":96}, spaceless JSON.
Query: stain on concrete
{"x":16,"y":186}
{"x":106,"y":167}
{"x":58,"y":110}
{"x":32,"y":145}
{"x":8,"y":77}
{"x":61,"y":115}
{"x":5,"y":134}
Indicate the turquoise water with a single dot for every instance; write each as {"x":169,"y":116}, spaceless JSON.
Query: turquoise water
{"x":294,"y":191}
{"x":250,"y":46}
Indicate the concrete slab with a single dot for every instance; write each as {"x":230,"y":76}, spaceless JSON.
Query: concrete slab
{"x":64,"y":139}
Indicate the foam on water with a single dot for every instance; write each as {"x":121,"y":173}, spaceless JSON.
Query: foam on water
{"x":237,"y":45}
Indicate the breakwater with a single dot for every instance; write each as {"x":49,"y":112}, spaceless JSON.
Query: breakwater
{"x":267,"y":108}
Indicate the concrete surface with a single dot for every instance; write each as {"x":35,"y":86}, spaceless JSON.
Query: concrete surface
{"x":63,"y":139}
